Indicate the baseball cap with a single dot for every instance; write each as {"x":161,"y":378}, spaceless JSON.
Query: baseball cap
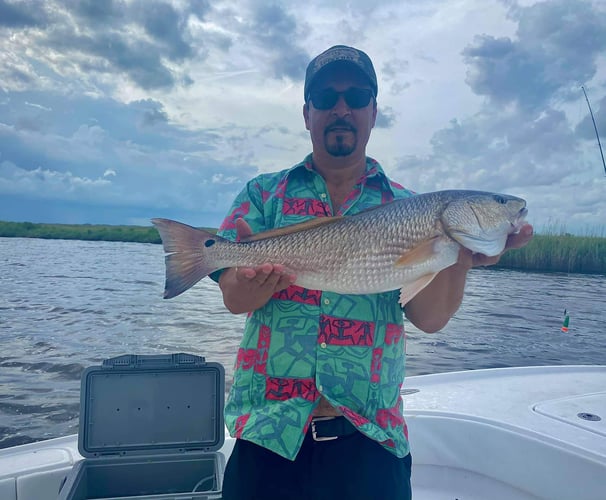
{"x":340,"y":54}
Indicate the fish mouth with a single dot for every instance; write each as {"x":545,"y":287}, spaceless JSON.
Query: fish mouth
{"x":519,"y":220}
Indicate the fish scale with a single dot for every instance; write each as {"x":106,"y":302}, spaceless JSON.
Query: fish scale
{"x":399,"y":245}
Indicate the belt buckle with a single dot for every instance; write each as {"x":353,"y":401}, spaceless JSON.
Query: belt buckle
{"x":314,"y":433}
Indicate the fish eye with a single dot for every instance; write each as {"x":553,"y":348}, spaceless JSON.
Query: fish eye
{"x":500,"y":199}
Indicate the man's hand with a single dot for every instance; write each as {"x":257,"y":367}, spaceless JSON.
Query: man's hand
{"x":248,"y":288}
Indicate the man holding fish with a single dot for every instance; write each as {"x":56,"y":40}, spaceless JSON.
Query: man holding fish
{"x":315,"y":403}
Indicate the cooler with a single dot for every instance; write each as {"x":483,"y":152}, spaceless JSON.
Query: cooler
{"x":150,"y":428}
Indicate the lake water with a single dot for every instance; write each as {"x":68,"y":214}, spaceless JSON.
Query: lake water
{"x":66,"y":305}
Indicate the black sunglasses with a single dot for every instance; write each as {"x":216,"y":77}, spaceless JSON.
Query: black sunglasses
{"x":354,"y":97}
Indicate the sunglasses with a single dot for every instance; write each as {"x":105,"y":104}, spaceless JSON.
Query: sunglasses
{"x":354,"y":97}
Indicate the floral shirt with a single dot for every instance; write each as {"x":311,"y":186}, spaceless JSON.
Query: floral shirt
{"x":304,"y":343}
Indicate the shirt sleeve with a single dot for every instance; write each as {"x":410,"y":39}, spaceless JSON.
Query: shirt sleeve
{"x":247,"y":205}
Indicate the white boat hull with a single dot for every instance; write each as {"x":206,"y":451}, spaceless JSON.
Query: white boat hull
{"x":511,"y":433}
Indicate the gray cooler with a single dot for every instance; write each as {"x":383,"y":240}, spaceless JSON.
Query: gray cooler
{"x":150,"y":428}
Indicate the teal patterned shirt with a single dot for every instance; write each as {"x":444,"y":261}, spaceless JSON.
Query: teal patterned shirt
{"x":304,"y":343}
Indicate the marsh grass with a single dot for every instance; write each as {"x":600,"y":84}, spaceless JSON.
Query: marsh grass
{"x":91,"y":232}
{"x":559,"y":253}
{"x":555,"y":251}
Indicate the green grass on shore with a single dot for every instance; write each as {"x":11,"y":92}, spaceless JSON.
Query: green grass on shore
{"x":138,"y":234}
{"x":546,"y":252}
{"x":563,"y":253}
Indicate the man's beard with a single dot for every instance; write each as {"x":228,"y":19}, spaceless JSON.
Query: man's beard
{"x":339,"y":146}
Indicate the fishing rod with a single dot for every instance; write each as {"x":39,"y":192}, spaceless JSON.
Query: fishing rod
{"x":595,"y":128}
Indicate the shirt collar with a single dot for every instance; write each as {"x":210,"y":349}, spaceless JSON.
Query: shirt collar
{"x":373,"y":171}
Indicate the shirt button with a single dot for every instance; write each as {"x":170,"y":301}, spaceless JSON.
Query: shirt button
{"x":320,"y":388}
{"x":323,"y":195}
{"x":323,"y":345}
{"x":326,"y":301}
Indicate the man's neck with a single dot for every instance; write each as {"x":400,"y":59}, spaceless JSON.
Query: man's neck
{"x":339,"y":170}
{"x":340,"y":174}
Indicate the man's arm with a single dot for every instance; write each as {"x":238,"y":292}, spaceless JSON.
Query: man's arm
{"x":431,"y":309}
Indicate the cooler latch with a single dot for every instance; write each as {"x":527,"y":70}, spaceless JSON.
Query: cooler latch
{"x":155,"y":361}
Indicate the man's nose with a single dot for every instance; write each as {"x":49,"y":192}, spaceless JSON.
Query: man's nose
{"x":341,"y":108}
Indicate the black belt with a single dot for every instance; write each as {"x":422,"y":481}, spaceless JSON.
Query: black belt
{"x":329,"y":428}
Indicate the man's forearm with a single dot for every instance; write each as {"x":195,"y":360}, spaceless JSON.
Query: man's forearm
{"x":431,"y":309}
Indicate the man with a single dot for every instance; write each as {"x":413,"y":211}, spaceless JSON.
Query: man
{"x":315,"y":404}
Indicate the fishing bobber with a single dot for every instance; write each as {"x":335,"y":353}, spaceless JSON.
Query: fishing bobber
{"x":565,"y":324}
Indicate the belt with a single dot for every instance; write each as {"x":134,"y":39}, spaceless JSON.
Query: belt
{"x":329,"y":428}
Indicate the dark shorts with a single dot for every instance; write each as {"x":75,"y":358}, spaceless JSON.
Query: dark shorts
{"x":352,"y":467}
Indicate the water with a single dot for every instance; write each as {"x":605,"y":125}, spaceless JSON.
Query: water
{"x":66,"y":305}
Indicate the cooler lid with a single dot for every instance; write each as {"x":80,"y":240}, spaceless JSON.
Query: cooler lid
{"x":143,"y":404}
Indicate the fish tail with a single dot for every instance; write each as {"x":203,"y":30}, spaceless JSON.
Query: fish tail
{"x":186,"y":259}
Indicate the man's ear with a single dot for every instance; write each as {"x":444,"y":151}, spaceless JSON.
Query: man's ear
{"x":306,"y":114}
{"x":374,"y":113}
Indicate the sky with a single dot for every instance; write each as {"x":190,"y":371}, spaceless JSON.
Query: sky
{"x":117,"y":111}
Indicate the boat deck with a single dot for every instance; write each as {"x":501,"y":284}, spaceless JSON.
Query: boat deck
{"x":523,"y":433}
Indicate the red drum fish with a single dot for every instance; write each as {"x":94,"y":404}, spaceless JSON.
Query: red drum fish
{"x":399,"y":245}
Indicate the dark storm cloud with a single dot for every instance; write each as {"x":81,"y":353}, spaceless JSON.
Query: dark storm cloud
{"x":276,"y":31}
{"x":136,"y":39}
{"x":21,"y":14}
{"x":160,"y":20}
{"x":99,"y":11}
{"x":166,"y":25}
{"x":554,"y":51}
{"x":117,"y":53}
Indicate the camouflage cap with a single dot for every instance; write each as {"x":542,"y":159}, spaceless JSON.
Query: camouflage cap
{"x":340,"y":54}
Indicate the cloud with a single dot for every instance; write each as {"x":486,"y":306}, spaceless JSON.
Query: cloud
{"x":144,"y":41}
{"x":533,"y":69}
{"x":521,"y":139}
{"x":20,"y":15}
{"x":111,"y":154}
{"x":166,"y":107}
{"x":165,"y":24}
{"x":45,"y":183}
{"x":113,"y":52}
{"x":386,"y":117}
{"x":393,"y":72}
{"x":585,"y":128}
{"x":277,"y":31}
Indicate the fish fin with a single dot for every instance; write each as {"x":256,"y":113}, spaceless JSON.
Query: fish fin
{"x":186,"y":259}
{"x":420,"y":253}
{"x":409,"y":291}
{"x":294,"y":228}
